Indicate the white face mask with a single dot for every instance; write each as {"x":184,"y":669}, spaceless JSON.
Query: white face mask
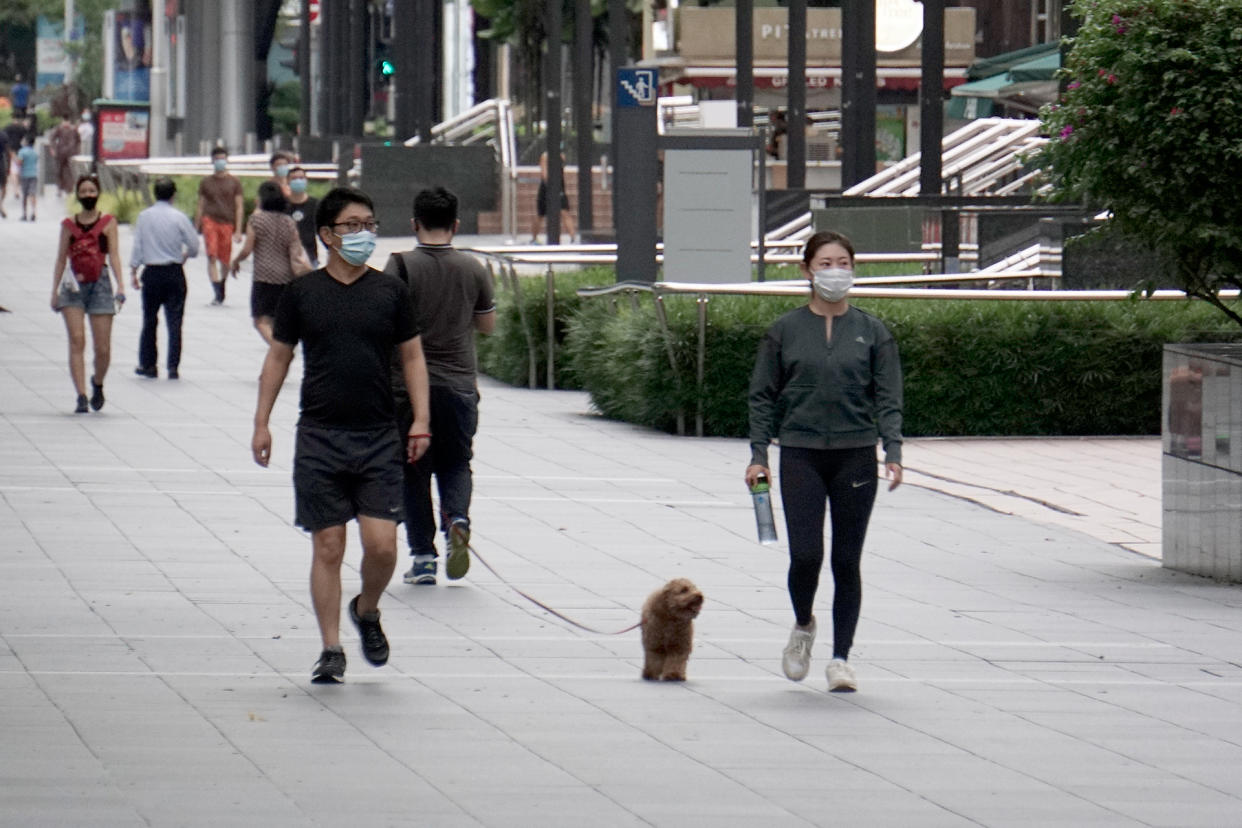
{"x":832,"y":284}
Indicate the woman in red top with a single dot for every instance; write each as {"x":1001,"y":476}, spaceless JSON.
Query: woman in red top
{"x":88,"y":242}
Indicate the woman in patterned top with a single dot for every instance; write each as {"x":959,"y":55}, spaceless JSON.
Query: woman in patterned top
{"x":278,"y":256}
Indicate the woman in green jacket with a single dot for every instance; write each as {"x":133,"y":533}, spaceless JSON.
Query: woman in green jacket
{"x":827,"y":386}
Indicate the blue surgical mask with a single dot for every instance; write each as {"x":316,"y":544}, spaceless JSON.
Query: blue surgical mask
{"x":298,"y":185}
{"x":356,"y":248}
{"x":832,"y":284}
{"x":219,"y":164}
{"x":282,"y":170}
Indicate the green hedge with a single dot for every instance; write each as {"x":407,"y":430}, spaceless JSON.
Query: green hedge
{"x":504,"y":354}
{"x":971,"y":367}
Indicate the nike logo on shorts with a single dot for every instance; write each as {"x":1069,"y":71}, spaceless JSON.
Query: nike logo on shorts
{"x":860,"y":484}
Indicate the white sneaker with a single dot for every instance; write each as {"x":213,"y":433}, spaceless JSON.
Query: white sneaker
{"x":841,"y":677}
{"x":796,"y":660}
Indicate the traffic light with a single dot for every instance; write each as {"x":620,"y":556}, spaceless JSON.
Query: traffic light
{"x":387,"y":68}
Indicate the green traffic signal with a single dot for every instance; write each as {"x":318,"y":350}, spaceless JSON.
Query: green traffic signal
{"x":387,"y":68}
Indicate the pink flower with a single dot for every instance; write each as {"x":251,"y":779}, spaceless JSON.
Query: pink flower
{"x":1177,"y":110}
{"x":1111,"y":78}
{"x":1066,"y":131}
{"x":1073,"y":85}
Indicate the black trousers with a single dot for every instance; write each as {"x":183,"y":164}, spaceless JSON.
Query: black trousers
{"x":845,"y":480}
{"x":454,"y":421}
{"x":163,"y":286}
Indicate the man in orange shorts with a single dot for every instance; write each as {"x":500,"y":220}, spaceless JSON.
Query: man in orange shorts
{"x":220,"y":217}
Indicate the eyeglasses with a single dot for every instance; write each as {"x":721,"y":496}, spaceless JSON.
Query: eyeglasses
{"x":356,"y":226}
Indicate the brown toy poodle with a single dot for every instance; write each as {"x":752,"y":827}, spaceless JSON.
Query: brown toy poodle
{"x":668,"y":629}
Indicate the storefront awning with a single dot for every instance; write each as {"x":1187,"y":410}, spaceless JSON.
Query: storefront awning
{"x":1025,"y":84}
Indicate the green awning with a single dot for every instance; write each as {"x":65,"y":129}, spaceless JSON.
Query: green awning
{"x":1040,"y":69}
{"x":969,"y":107}
{"x":986,"y":88}
{"x":999,"y":64}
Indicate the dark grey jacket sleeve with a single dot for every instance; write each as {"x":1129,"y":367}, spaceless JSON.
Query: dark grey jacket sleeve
{"x":765,"y":390}
{"x":888,"y":399}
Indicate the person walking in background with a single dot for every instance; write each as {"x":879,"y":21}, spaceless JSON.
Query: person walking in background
{"x":827,"y":383}
{"x":163,"y":239}
{"x":348,"y":454}
{"x":301,"y":208}
{"x":28,"y":174}
{"x":541,"y":203}
{"x":86,"y":133}
{"x":220,"y":217}
{"x":281,"y":162}
{"x":88,"y":241}
{"x":65,"y":143}
{"x":452,"y":296}
{"x":278,"y":256}
{"x":20,"y":93}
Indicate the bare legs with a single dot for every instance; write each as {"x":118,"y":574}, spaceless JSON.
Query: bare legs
{"x":101,"y":335}
{"x":379,"y":560}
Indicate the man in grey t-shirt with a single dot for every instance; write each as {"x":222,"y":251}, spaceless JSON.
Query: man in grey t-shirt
{"x":453,"y":298}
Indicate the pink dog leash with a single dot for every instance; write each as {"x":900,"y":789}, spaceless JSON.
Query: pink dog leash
{"x":544,"y":606}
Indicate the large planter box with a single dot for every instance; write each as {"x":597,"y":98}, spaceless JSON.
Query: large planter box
{"x":1202,"y":466}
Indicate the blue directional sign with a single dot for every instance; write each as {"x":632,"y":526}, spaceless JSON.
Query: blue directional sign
{"x":636,"y":87}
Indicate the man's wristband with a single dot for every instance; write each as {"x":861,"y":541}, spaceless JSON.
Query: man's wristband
{"x":420,"y":436}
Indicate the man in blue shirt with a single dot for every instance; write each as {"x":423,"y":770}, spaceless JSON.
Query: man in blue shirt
{"x":163,"y":239}
{"x":20,"y":93}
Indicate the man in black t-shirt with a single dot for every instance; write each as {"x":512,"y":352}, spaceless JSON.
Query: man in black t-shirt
{"x":348,"y":457}
{"x":301,"y":208}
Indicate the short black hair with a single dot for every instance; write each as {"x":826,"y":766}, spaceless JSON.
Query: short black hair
{"x":219,"y":151}
{"x":271,"y":198}
{"x":435,"y":209}
{"x":164,"y":188}
{"x":296,"y":169}
{"x":280,"y":155}
{"x":337,"y":199}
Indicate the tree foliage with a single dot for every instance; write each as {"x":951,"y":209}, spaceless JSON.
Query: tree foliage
{"x":1148,"y":129}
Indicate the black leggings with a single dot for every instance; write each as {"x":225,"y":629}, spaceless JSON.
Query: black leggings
{"x":846,"y":479}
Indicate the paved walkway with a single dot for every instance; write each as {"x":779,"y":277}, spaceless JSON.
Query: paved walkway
{"x":1019,"y":664}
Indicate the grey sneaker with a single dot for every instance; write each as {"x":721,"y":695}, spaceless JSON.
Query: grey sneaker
{"x":796,"y":660}
{"x":458,"y":562}
{"x":841,"y":677}
{"x":423,"y":570}
{"x":330,"y":669}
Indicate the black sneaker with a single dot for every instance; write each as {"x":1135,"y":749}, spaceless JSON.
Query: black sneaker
{"x":97,"y":395}
{"x":149,"y":373}
{"x":374,"y":642}
{"x":173,"y":373}
{"x":82,"y":405}
{"x":330,"y":668}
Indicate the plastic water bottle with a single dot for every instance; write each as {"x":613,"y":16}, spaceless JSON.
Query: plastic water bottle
{"x":761,"y":494}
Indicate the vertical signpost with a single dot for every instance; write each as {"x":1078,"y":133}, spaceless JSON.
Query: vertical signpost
{"x":637,"y":171}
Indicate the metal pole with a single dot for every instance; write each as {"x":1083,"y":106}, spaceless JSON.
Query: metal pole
{"x":357,"y":69}
{"x":796,"y":116}
{"x":583,"y":85}
{"x":232,"y":56}
{"x":69,"y":61}
{"x":618,"y":56}
{"x":552,"y":116}
{"x":304,"y":70}
{"x":744,"y":34}
{"x":858,"y":91}
{"x":931,"y":100}
{"x":551,"y":327}
{"x":158,"y":123}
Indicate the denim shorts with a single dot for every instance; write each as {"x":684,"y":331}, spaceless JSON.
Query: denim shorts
{"x":93,"y":297}
{"x":339,"y":475}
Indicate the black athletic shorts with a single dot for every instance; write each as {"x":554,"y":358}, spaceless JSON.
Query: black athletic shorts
{"x":263,"y":299}
{"x":541,"y":200}
{"x":339,"y":475}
